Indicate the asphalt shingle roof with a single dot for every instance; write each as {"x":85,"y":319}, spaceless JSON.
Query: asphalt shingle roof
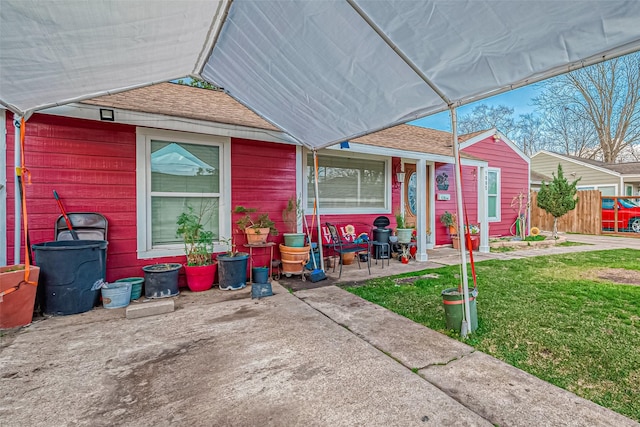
{"x":216,"y":106}
{"x":177,"y":100}
{"x":622,"y":168}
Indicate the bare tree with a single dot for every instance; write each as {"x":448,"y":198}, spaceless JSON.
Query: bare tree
{"x":602,"y":100}
{"x":563,"y":131}
{"x":485,"y":117}
{"x":525,"y":132}
{"x":528,"y":133}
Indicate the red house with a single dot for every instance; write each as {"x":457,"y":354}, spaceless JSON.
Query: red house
{"x":111,"y":155}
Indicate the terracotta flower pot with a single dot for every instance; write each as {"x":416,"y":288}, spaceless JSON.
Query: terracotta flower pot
{"x":347,"y":258}
{"x":456,"y":242}
{"x":257,"y":236}
{"x":16,"y":307}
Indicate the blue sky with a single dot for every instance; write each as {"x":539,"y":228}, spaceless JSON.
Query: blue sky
{"x":518,"y":99}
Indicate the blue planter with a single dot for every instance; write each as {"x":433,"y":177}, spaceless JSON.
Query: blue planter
{"x":260,"y":274}
{"x":116,"y":295}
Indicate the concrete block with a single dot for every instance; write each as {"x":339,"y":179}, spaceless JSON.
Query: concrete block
{"x":150,"y":308}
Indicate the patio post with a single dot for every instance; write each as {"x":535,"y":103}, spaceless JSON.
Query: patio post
{"x":466,"y":321}
{"x":317,"y":207}
{"x":17,"y":227}
{"x":421,"y":214}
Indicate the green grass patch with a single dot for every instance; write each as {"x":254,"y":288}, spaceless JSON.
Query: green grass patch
{"x":546,"y":316}
{"x":502,"y":249}
{"x":567,"y":243}
{"x":537,"y":238}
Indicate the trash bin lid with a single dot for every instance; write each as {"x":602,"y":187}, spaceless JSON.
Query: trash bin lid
{"x":381,"y":222}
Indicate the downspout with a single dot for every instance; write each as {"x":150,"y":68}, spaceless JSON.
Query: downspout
{"x":466,"y":322}
{"x":17,"y":228}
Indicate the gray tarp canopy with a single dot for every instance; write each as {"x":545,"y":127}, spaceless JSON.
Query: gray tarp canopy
{"x":322,"y":71}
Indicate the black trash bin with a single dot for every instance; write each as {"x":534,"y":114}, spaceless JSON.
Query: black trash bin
{"x":68,"y":270}
{"x":381,"y":245}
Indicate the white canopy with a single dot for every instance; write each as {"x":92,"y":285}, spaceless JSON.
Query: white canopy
{"x":323,"y":71}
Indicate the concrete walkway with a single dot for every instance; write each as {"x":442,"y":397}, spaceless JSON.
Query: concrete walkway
{"x":351,"y":274}
{"x":317,"y":357}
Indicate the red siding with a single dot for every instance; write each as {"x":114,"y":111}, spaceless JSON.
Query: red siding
{"x":91,"y":165}
{"x":514,"y":178}
{"x":469,"y":198}
{"x":263,"y":176}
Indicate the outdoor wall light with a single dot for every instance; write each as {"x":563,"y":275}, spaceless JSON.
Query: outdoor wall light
{"x":398,"y":175}
{"x":107,"y":115}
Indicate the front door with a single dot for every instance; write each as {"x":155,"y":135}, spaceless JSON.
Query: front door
{"x":411,"y":193}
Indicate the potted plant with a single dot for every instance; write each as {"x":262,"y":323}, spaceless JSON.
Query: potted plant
{"x":291,"y":215}
{"x":450,"y":220}
{"x":161,"y":280}
{"x":256,"y":228}
{"x":403,"y":234}
{"x":200,"y":269}
{"x":232,"y":267}
{"x":474,"y":230}
{"x":18,"y":295}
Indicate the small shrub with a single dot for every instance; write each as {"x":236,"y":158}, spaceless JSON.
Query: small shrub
{"x":535,"y":238}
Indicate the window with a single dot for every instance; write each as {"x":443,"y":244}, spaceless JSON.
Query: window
{"x":347,"y":184}
{"x":493,"y":194}
{"x":412,"y":193}
{"x":174,"y":172}
{"x":605,"y":190}
{"x":628,"y":190}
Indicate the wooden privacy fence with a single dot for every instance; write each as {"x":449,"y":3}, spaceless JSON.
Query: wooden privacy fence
{"x":586,"y":218}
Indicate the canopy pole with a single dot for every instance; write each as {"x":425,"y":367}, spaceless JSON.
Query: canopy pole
{"x":317,"y":207}
{"x":466,"y":322}
{"x":17,"y":227}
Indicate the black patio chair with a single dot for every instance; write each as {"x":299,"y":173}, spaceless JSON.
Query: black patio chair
{"x":340,"y":246}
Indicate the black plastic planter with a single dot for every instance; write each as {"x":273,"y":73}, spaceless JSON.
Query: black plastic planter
{"x":232,"y":271}
{"x":161,"y":280}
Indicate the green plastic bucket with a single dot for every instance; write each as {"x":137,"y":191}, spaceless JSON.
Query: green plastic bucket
{"x":454,"y":306}
{"x":136,"y":286}
{"x":294,"y":240}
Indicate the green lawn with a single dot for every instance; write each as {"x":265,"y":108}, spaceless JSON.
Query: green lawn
{"x":550,"y":316}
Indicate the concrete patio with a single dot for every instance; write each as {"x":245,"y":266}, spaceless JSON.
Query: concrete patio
{"x":318,"y":356}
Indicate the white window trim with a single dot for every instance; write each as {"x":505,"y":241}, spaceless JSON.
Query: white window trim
{"x":143,"y":188}
{"x":336,"y":211}
{"x":498,"y":216}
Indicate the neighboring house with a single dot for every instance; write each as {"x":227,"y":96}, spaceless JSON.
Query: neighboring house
{"x":159,"y":146}
{"x":507,"y":178}
{"x":620,"y":179}
{"x":536,"y":180}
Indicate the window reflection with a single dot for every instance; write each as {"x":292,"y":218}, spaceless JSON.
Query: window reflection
{"x":412,"y":190}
